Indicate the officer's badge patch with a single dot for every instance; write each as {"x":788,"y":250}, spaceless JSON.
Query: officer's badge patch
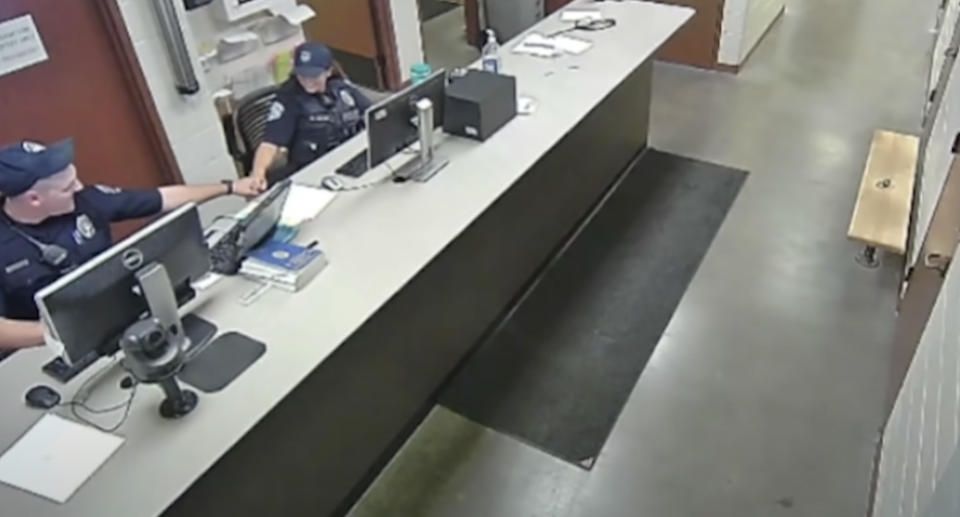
{"x":305,"y":56}
{"x":85,"y":227}
{"x":348,"y":99}
{"x":276,"y":111}
{"x":107,"y":189}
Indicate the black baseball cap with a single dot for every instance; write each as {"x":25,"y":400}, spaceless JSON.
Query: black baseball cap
{"x":24,"y":163}
{"x":312,"y":59}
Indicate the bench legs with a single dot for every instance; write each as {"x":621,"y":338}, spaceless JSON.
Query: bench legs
{"x":868,"y":257}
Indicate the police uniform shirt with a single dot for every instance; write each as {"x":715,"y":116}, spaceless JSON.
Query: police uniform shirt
{"x":310,"y":125}
{"x":84,"y":233}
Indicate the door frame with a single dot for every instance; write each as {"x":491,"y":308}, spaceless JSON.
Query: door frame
{"x":116,"y":29}
{"x":386,"y":35}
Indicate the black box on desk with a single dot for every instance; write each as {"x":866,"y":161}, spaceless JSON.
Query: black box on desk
{"x":479,"y":104}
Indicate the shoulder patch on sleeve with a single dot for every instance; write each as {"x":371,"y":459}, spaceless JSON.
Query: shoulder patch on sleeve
{"x":107,"y":189}
{"x":276,"y":111}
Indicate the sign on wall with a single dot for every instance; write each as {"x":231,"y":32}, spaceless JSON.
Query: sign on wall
{"x":20,"y":45}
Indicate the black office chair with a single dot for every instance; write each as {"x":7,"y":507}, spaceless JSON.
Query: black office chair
{"x":250,"y":124}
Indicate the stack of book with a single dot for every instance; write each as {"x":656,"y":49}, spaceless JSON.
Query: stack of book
{"x":284,"y":265}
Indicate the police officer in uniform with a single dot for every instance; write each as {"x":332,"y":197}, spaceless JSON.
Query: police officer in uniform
{"x":314,"y":112}
{"x":50,"y":223}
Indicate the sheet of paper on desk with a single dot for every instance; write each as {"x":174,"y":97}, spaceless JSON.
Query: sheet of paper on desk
{"x":55,"y":457}
{"x":304,"y":203}
{"x":572,"y":45}
{"x":575,"y":15}
{"x":537,"y":45}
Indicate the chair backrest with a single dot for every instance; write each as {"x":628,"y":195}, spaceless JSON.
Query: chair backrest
{"x":250,"y":119}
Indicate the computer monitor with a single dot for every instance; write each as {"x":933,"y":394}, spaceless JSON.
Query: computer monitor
{"x":392,"y":124}
{"x":231,"y":238}
{"x":259,"y":222}
{"x":86,"y":312}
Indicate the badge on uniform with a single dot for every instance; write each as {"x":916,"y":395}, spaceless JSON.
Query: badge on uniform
{"x":34,"y":147}
{"x":305,"y":56}
{"x":348,"y":99}
{"x":85,"y":227}
{"x":276,"y":111}
{"x":106,"y":189}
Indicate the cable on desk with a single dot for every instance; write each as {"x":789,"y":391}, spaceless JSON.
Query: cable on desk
{"x":80,"y":402}
{"x":593,"y":25}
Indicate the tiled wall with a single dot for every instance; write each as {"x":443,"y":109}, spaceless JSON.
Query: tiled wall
{"x":191,"y":122}
{"x":937,"y":157}
{"x":744,"y":23}
{"x":922,"y":434}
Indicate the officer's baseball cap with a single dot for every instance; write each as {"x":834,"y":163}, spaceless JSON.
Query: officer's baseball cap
{"x":24,"y":163}
{"x":312,"y":59}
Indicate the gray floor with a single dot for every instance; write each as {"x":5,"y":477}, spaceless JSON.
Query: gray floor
{"x":765,"y":394}
{"x":445,"y":41}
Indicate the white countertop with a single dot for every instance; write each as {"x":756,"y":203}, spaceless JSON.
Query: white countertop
{"x":377,"y":240}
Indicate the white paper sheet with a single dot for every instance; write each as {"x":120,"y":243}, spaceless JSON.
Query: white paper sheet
{"x":572,"y":45}
{"x":55,"y":457}
{"x":304,"y":203}
{"x":537,"y":45}
{"x":575,"y":15}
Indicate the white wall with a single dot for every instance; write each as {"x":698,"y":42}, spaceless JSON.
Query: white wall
{"x":406,"y":26}
{"x":190,"y":122}
{"x":924,"y":428}
{"x":744,"y":24}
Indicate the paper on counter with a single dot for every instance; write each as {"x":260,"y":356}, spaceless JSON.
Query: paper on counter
{"x":55,"y":457}
{"x":304,"y":203}
{"x":572,"y":45}
{"x":537,"y":45}
{"x":575,"y":15}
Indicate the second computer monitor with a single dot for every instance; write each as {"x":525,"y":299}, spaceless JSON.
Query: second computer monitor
{"x":392,"y":123}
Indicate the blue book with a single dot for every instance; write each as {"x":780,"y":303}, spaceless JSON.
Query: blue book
{"x":283,"y":256}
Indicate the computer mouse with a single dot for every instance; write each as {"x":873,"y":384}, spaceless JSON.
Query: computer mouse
{"x":42,"y":397}
{"x":332,"y":183}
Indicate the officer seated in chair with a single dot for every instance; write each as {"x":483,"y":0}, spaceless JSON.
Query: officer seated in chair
{"x":314,"y":112}
{"x":50,"y":224}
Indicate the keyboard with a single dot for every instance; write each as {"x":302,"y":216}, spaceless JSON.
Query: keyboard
{"x":355,"y":167}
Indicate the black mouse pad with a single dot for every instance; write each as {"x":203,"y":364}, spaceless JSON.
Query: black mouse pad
{"x":222,"y":361}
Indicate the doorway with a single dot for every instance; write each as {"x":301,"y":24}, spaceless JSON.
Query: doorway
{"x":443,"y":24}
{"x":89,"y":88}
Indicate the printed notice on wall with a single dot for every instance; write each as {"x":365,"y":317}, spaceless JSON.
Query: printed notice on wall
{"x":20,"y":45}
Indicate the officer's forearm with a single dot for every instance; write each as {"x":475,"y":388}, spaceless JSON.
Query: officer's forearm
{"x":16,"y":334}
{"x":262,"y":161}
{"x":176,"y":196}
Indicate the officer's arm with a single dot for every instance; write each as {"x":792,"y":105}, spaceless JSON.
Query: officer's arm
{"x":280,"y":130}
{"x":175,"y":196}
{"x":266,"y":154}
{"x":16,"y":334}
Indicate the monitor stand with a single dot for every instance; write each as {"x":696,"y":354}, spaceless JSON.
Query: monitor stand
{"x":428,"y":164}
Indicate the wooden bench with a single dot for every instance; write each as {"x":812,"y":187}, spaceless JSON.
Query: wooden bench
{"x":881,"y":215}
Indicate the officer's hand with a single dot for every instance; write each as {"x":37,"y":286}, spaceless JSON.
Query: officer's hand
{"x":249,"y":187}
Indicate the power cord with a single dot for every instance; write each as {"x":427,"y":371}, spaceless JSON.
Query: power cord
{"x":80,"y":402}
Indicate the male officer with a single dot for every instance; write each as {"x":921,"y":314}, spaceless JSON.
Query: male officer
{"x":314,"y":112}
{"x":50,"y":224}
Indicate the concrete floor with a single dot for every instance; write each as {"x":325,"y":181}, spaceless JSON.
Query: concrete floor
{"x":765,"y":394}
{"x":445,"y":41}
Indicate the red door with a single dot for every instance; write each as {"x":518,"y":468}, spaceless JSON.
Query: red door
{"x":90,"y":89}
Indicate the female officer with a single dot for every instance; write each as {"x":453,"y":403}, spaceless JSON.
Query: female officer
{"x":314,"y":112}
